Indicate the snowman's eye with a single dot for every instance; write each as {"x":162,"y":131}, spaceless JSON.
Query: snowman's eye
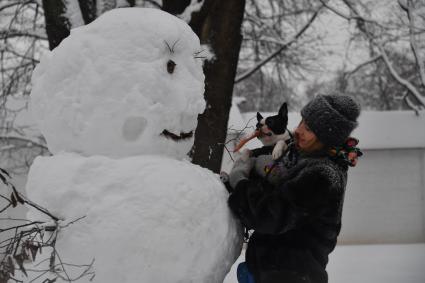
{"x":171,"y":65}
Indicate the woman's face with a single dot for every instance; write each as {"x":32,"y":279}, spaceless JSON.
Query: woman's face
{"x":306,"y":140}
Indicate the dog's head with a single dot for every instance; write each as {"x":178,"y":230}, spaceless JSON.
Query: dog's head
{"x":273,"y":128}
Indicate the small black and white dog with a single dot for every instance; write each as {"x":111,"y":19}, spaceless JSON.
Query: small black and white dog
{"x":273,"y":134}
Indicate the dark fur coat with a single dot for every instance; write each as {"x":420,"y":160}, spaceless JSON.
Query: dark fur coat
{"x":295,"y":224}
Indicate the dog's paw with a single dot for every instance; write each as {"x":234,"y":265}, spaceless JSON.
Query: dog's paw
{"x":279,"y":149}
{"x":277,"y":153}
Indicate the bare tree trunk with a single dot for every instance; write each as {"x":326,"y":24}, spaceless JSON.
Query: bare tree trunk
{"x":175,"y":7}
{"x":219,"y":25}
{"x":57,"y":25}
{"x":88,"y":10}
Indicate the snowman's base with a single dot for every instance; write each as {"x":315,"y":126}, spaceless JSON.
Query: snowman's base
{"x":146,"y":218}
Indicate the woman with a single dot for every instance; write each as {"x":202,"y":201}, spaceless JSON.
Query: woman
{"x":296,"y":224}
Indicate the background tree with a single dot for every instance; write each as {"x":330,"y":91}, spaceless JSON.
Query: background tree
{"x":22,"y":41}
{"x":372,"y":84}
{"x":261,"y":92}
{"x":395,"y":76}
{"x":277,"y":51}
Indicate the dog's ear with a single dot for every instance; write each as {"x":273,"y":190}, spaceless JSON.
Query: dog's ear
{"x":283,"y":111}
{"x":259,"y":117}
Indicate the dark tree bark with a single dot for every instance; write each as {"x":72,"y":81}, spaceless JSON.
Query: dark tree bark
{"x":217,"y":24}
{"x":88,"y":10}
{"x":57,"y":26}
{"x":221,"y":28}
{"x":175,"y":7}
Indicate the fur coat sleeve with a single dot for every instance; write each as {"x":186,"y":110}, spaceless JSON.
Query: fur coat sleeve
{"x":305,"y":193}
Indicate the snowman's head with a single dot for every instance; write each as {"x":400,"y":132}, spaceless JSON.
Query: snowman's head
{"x":129,"y":83}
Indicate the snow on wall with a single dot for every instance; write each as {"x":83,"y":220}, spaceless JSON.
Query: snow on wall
{"x":385,"y":198}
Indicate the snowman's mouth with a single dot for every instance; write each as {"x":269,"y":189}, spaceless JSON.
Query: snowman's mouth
{"x":175,"y":137}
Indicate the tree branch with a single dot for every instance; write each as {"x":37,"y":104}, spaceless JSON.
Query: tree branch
{"x":420,"y":62}
{"x":410,"y":103}
{"x":399,"y":79}
{"x":17,"y":3}
{"x":38,"y":144}
{"x":277,"y":52}
{"x":409,"y":86}
{"x":373,"y":59}
{"x":349,"y":17}
{"x":15,"y":33}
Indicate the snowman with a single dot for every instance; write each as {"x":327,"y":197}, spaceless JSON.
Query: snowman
{"x":117,"y":102}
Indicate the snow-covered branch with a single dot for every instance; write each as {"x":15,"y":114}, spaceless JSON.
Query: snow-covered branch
{"x":413,"y":90}
{"x":382,"y":52}
{"x":419,"y":57}
{"x":23,"y":246}
{"x":410,"y":103}
{"x":16,"y":3}
{"x":28,"y":142}
{"x":284,"y":46}
{"x":15,"y":33}
{"x":349,"y":17}
{"x":358,"y":67}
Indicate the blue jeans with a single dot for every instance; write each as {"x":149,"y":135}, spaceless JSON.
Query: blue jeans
{"x":244,"y":276}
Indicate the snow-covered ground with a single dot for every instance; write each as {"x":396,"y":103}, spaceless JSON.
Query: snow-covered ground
{"x":370,"y":264}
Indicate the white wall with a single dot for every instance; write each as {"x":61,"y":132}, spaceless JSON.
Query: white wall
{"x":384,"y":201}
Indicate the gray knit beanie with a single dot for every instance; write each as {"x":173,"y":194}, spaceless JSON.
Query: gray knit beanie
{"x":332,"y":118}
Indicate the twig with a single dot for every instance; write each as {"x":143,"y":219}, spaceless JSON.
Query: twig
{"x":410,"y":103}
{"x":73,"y":221}
{"x":27,"y":140}
{"x":16,"y":3}
{"x":373,"y":59}
{"x":399,"y":79}
{"x":413,"y":43}
{"x":239,"y":133}
{"x":21,"y":226}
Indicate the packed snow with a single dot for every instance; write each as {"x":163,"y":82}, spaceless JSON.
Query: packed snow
{"x":118,"y":117}
{"x":107,"y":88}
{"x":146,"y":219}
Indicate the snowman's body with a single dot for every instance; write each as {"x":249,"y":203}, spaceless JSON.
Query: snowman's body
{"x":119,"y":122}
